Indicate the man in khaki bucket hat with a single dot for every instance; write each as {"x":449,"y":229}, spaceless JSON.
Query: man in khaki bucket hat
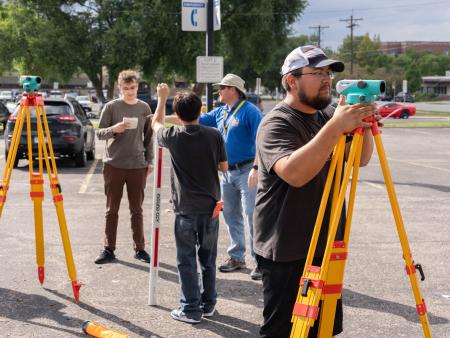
{"x":238,"y":121}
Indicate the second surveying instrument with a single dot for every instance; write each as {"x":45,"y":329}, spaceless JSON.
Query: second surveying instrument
{"x":31,"y":98}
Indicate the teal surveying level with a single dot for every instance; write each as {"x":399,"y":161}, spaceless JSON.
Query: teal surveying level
{"x":31,"y":98}
{"x":324,"y":282}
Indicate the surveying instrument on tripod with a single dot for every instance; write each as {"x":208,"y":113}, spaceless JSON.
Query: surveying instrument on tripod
{"x":324,"y":282}
{"x":31,"y":98}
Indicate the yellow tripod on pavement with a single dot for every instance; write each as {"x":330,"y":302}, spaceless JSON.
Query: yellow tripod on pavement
{"x":30,"y":98}
{"x":324,"y":283}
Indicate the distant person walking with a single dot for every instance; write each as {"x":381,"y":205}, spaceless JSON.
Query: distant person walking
{"x":125,"y":124}
{"x":238,"y":121}
{"x":197,"y":152}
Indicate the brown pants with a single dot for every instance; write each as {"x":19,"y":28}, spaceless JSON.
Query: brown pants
{"x":135,"y":180}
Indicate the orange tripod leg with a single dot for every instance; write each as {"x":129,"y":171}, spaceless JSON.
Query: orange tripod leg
{"x":37,"y":196}
{"x":335,"y":278}
{"x":410,"y":265}
{"x":12,"y":153}
{"x":310,"y":292}
{"x":56,"y":193}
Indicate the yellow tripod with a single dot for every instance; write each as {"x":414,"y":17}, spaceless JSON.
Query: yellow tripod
{"x":325,"y":282}
{"x":37,"y":181}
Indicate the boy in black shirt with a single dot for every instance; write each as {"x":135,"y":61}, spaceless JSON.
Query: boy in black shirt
{"x":197,"y":152}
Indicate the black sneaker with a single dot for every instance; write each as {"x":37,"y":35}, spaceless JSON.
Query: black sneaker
{"x":256,"y":274}
{"x":106,"y":256}
{"x":231,"y":265}
{"x":142,"y":255}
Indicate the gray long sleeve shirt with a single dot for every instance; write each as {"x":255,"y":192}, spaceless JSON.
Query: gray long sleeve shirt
{"x":133,"y":148}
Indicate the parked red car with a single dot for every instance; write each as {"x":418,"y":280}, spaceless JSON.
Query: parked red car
{"x":397,"y":110}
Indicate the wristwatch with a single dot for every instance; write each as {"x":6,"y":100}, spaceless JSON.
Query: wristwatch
{"x":255,"y":167}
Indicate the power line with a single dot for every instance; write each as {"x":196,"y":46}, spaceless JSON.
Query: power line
{"x":319,"y":30}
{"x":351,"y":25}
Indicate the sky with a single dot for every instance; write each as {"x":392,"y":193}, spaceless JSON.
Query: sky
{"x":392,"y":20}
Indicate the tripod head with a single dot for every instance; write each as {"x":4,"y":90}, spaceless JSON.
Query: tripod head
{"x":31,"y":83}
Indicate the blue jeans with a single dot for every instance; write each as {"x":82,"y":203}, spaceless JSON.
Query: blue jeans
{"x":190,"y":231}
{"x":238,"y":197}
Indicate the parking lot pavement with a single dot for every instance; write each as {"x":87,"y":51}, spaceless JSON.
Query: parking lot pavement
{"x":378,"y":301}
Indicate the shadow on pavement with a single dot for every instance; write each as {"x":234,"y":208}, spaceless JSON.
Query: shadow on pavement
{"x":224,"y":326}
{"x":26,"y":308}
{"x":244,"y":291}
{"x":108,"y":316}
{"x":359,"y":300}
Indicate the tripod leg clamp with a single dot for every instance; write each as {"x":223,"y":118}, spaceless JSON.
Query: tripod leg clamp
{"x":305,"y":310}
{"x":421,"y":308}
{"x":306,"y":283}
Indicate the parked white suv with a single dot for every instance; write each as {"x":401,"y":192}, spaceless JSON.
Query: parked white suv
{"x":6,"y":95}
{"x":89,"y":103}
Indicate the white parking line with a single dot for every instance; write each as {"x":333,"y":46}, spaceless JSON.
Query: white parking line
{"x":421,"y":165}
{"x":378,"y":186}
{"x":88,"y":177}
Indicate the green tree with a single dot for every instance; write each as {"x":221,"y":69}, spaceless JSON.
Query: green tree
{"x":61,"y":37}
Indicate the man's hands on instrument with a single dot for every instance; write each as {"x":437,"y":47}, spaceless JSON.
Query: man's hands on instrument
{"x":351,"y":117}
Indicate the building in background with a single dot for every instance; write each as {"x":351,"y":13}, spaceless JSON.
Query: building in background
{"x":437,"y":85}
{"x":400,"y":47}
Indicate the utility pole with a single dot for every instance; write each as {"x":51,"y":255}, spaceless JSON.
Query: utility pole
{"x":319,"y":30}
{"x":351,"y":25}
{"x":209,"y":48}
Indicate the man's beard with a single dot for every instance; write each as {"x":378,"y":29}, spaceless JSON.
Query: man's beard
{"x":314,"y":102}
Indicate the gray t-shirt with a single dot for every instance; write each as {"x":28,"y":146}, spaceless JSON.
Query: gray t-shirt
{"x":285,"y":216}
{"x":133,"y":148}
{"x":195,"y":153}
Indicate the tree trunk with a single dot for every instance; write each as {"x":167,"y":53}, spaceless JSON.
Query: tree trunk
{"x":111,"y":83}
{"x":97,"y":82}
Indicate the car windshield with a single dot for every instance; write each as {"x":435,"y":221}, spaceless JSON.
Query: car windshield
{"x":82,"y":98}
{"x":51,"y":108}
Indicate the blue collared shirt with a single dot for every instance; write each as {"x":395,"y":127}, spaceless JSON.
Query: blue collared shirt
{"x":238,"y":130}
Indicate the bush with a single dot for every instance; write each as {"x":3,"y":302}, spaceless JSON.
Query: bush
{"x":427,"y":97}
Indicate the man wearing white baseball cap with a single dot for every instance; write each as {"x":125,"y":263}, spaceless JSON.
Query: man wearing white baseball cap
{"x":294,"y":144}
{"x":238,"y":121}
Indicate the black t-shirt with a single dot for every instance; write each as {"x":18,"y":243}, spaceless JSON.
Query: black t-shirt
{"x":195,"y":153}
{"x":285,"y":216}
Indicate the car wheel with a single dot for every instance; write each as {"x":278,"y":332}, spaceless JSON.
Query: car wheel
{"x":90,"y":155}
{"x":404,"y":114}
{"x":16,"y":160}
{"x":81,"y":158}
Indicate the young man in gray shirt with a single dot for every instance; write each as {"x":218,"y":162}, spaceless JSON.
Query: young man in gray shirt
{"x":125,"y":125}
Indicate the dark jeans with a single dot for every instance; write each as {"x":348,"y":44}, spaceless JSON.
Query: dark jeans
{"x":135,"y":180}
{"x":190,"y":231}
{"x":281,"y":281}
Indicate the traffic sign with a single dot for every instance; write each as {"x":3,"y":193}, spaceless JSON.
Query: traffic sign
{"x":209,"y":69}
{"x":405,"y":86}
{"x":193,"y":15}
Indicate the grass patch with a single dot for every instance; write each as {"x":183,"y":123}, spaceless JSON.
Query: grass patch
{"x":432,"y":113}
{"x":425,"y":124}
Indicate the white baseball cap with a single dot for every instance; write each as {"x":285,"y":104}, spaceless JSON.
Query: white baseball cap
{"x":309,"y":56}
